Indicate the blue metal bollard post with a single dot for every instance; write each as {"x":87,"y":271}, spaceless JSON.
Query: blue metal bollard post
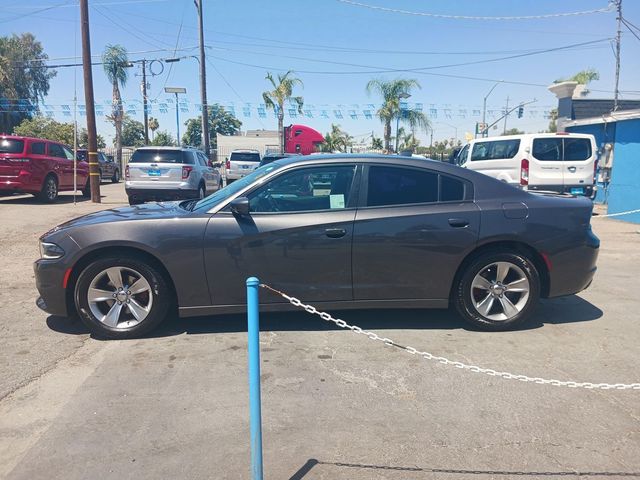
{"x":255,"y":414}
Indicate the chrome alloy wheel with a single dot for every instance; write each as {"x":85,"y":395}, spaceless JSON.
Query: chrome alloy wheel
{"x":120,"y":297}
{"x":500,"y":291}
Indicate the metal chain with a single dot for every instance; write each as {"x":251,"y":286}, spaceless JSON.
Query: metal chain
{"x":445,"y":361}
{"x":604,"y":215}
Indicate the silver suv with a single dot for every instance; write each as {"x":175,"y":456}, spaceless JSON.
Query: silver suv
{"x":241,"y":163}
{"x":169,"y":173}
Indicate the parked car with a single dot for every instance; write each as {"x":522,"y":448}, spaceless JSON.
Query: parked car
{"x":39,"y":167}
{"x":272,"y":157}
{"x":337,"y":231}
{"x":559,"y":162}
{"x":109,"y":170}
{"x":169,"y":173}
{"x":241,"y":163}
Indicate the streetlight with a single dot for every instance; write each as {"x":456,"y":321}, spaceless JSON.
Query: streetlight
{"x":484,"y":107}
{"x":402,"y":96}
{"x":203,"y":96}
{"x":176,"y":90}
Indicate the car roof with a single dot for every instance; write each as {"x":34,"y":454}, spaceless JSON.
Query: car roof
{"x":531,"y":135}
{"x":150,"y":147}
{"x":35,"y":139}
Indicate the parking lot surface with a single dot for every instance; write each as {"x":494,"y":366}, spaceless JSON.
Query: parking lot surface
{"x":335,"y":405}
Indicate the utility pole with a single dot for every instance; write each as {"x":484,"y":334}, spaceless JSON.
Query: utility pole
{"x":618,"y":33}
{"x":94,"y":172}
{"x":144,"y":101}
{"x":203,"y":84}
{"x":506,"y":115}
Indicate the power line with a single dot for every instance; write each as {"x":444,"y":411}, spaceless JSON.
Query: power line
{"x":468,"y":17}
{"x":630,"y":29}
{"x":38,"y":11}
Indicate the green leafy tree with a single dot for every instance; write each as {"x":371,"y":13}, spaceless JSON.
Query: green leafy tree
{"x":115,"y":63}
{"x":163,"y":139}
{"x":153,"y":125}
{"x":408,"y":141}
{"x":83,"y":139}
{"x":45,"y":127}
{"x":553,"y":119}
{"x":583,"y":77}
{"x":281,"y":93}
{"x":24,"y":80}
{"x":513,"y":131}
{"x":376,"y":143}
{"x":220,"y":121}
{"x":336,"y":140}
{"x":390,"y":92}
{"x":132,"y":133}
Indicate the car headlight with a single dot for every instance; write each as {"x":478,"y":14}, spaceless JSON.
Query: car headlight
{"x":50,"y":251}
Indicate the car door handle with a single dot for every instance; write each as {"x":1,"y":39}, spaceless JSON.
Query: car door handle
{"x":458,"y":222}
{"x":335,"y":232}
{"x":572,"y":169}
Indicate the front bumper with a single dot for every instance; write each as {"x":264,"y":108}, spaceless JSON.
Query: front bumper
{"x":49,"y":277}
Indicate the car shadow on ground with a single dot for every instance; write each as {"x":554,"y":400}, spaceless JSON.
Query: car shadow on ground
{"x":31,"y":200}
{"x":572,"y":309}
{"x":312,"y":462}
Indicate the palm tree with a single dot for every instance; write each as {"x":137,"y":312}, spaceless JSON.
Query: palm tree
{"x":376,"y":143}
{"x":115,"y":62}
{"x":583,"y":77}
{"x":336,"y":140}
{"x":391,"y":92}
{"x":153,"y":126}
{"x":282,"y":92}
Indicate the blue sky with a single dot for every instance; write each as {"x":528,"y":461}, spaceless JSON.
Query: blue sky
{"x":316,"y":37}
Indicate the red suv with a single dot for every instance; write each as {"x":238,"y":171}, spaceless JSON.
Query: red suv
{"x":40,"y":167}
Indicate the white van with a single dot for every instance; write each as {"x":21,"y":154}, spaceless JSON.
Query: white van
{"x":559,"y":162}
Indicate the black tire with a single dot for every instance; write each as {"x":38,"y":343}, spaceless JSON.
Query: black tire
{"x":467,"y":299}
{"x":202,"y":191}
{"x":49,"y":191}
{"x":86,"y":190}
{"x":100,"y":176}
{"x":116,"y":176}
{"x":158,"y":298}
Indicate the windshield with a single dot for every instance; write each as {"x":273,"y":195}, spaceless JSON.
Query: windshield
{"x":159,"y":156}
{"x":244,"y":157}
{"x":233,"y":188}
{"x":10,"y":145}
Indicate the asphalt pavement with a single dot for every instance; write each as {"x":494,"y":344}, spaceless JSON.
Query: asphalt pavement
{"x":335,"y":405}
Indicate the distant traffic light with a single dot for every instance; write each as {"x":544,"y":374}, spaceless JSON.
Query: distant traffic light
{"x":520,"y":111}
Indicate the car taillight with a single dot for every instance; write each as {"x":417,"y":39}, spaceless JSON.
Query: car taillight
{"x":524,"y":172}
{"x":185,"y":172}
{"x":228,"y":165}
{"x":595,"y":171}
{"x":126,"y":172}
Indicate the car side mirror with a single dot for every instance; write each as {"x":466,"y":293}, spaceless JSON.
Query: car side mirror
{"x":240,"y":206}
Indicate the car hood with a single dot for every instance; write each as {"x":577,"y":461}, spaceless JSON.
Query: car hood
{"x":147,"y":211}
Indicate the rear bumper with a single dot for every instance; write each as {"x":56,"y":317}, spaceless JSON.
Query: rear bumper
{"x":238,"y":174}
{"x":573,"y":269}
{"x":587,"y":190}
{"x":161,"y":194}
{"x":21,"y":184}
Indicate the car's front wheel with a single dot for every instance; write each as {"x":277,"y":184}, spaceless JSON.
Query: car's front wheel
{"x":497,"y":291}
{"x":116,"y":176}
{"x":121,"y":297}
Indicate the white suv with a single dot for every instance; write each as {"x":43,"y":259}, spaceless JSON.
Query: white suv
{"x":560,"y":162}
{"x":169,"y":173}
{"x":241,"y":163}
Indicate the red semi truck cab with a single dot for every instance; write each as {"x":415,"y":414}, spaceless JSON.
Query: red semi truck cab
{"x":301,"y":139}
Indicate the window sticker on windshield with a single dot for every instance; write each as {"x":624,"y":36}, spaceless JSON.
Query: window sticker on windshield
{"x":336,"y":201}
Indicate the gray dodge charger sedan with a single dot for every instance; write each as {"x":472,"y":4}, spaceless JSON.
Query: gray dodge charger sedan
{"x":336,"y":231}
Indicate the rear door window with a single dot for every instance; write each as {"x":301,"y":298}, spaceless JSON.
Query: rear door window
{"x":577,"y":149}
{"x":495,"y":150}
{"x":56,"y":150}
{"x":245,"y":157}
{"x":11,"y":145}
{"x":38,"y":148}
{"x":400,"y":186}
{"x":451,"y":189}
{"x":548,"y":149}
{"x":161,"y":156}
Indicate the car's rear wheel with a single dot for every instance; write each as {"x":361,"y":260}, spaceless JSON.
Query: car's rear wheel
{"x":497,"y":291}
{"x":49,"y":191}
{"x":202,"y":191}
{"x":116,"y":176}
{"x":134,"y":200}
{"x":86,"y":190}
{"x":122,"y":297}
